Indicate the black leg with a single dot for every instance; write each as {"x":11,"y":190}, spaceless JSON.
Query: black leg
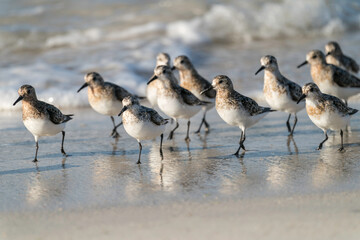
{"x":346,"y":103}
{"x":202,"y":122}
{"x":114,"y":132}
{"x":207,"y":126}
{"x":36,"y":152}
{"x":140,"y":148}
{"x":187,"y":139}
{"x":295,"y":121}
{"x":342,"y":141}
{"x":240,"y":144}
{"x":288,"y":123}
{"x":172,"y":131}
{"x":326,"y":138}
{"x":62,"y":144}
{"x":161,"y":151}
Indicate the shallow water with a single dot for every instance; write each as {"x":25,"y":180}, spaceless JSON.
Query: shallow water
{"x":101,"y":172}
{"x":53,"y":44}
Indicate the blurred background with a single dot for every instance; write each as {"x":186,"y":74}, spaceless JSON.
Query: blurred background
{"x":51,"y":44}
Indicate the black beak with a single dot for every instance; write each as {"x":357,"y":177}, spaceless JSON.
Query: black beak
{"x":301,"y":98}
{"x":173,"y":68}
{"x":123,"y":110}
{"x":18,"y":100}
{"x":206,"y":90}
{"x":304,"y":63}
{"x":260,"y":69}
{"x":83,"y":86}
{"x":152,"y":79}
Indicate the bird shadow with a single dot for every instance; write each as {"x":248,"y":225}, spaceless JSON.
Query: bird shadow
{"x":38,"y":169}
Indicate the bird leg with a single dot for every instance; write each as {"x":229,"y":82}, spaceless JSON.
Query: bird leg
{"x":114,"y":132}
{"x":140,"y":148}
{"x":172,"y":131}
{"x":292,"y":130}
{"x":36,"y":152}
{"x":161,"y":151}
{"x":288,"y":123}
{"x":321,"y":144}
{"x":342,"y":141}
{"x":241,"y":143}
{"x":202,"y":122}
{"x":187,"y":138}
{"x":62,"y":144}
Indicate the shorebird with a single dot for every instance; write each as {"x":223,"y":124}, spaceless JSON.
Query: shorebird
{"x":161,"y":59}
{"x":41,"y":118}
{"x":175,"y":101}
{"x":280,"y":93}
{"x":326,"y":111}
{"x":142,"y":123}
{"x":236,"y":109}
{"x":335,"y":56}
{"x":191,"y":80}
{"x":330,"y":78}
{"x":105,"y":97}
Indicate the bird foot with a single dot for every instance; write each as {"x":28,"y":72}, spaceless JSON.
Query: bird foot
{"x":64,"y":153}
{"x":187,"y":139}
{"x":170,"y":136}
{"x":115,"y":134}
{"x":138,"y":162}
{"x":35,"y":160}
{"x":342,"y":149}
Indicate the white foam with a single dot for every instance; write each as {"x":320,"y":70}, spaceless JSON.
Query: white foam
{"x":249,"y":21}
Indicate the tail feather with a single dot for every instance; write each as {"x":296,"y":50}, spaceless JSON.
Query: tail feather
{"x":68,"y":117}
{"x":352,"y":111}
{"x":267,"y":109}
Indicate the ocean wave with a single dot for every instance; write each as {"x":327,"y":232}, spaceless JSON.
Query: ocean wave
{"x":247,"y":22}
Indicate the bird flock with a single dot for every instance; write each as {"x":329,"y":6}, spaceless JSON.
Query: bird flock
{"x":325,"y":99}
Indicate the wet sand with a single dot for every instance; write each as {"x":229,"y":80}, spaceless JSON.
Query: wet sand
{"x":280,"y":188}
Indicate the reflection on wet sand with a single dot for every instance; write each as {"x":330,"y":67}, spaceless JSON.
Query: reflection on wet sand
{"x":42,"y":190}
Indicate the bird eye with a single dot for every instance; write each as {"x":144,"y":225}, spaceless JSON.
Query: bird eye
{"x":163,"y":71}
{"x":28,"y":91}
{"x":221,"y":81}
{"x":182,"y":61}
{"x":314,"y":57}
{"x":311,"y":89}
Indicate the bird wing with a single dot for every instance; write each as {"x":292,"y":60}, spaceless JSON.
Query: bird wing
{"x":249,"y":104}
{"x":55,"y":115}
{"x":155,"y":116}
{"x":354,"y":66}
{"x":338,"y":105}
{"x":344,"y":78}
{"x":189,"y":98}
{"x":294,"y":91}
{"x":120,"y":92}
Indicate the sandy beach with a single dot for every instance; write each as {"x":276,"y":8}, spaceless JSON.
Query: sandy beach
{"x":280,"y":188}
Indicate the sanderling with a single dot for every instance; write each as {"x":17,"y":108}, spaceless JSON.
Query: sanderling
{"x":41,"y":118}
{"x":175,"y":101}
{"x":104,"y":97}
{"x":161,"y":59}
{"x":234,"y":108}
{"x":335,"y":56}
{"x":330,"y":78}
{"x":191,"y":80}
{"x":326,"y":111}
{"x":280,"y":93}
{"x":142,"y":123}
